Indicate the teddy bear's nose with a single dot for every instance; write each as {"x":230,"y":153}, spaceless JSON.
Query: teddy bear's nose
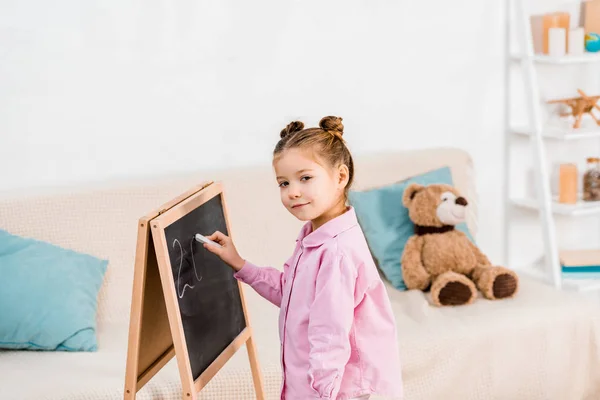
{"x":461,"y":201}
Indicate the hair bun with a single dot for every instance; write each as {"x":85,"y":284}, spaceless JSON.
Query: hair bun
{"x":292,"y":127}
{"x":332,"y":124}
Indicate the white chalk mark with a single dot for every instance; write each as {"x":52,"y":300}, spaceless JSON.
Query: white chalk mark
{"x":176,"y":241}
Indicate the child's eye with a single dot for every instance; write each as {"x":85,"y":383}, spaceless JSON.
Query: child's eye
{"x":283,"y":184}
{"x":305,"y":178}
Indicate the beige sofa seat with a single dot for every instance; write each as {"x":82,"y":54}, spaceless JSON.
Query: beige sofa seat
{"x":541,"y":345}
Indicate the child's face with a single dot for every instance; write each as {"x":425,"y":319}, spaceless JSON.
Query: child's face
{"x":308,"y":188}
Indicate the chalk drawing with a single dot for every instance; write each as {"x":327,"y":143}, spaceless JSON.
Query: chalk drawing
{"x":185,"y":285}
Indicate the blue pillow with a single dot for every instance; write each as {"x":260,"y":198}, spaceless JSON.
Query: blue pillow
{"x":385,"y":222}
{"x":48,"y":296}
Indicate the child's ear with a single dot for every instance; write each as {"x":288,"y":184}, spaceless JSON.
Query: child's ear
{"x":410,"y":192}
{"x":343,"y":175}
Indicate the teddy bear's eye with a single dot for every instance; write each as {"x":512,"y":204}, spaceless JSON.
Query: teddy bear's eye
{"x":446,"y":196}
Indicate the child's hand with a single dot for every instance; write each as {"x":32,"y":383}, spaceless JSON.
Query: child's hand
{"x":227,"y":253}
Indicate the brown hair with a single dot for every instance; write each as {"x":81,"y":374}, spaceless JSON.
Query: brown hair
{"x":326,"y":140}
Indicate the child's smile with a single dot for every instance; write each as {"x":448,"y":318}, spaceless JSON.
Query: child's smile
{"x":300,"y":205}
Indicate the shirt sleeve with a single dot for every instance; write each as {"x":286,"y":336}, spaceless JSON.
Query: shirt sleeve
{"x":330,"y":321}
{"x":267,"y":281}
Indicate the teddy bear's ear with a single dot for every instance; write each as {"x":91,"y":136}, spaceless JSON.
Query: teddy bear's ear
{"x":410,"y":192}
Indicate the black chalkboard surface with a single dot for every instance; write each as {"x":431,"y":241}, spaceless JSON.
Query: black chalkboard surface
{"x":209,"y":299}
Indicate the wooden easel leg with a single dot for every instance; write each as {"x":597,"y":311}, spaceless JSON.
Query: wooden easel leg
{"x":193,"y":396}
{"x":259,"y":387}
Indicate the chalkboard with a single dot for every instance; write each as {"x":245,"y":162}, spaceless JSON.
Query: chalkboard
{"x":185,"y":301}
{"x":207,"y":292}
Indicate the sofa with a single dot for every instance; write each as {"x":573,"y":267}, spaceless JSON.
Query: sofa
{"x":543,"y":344}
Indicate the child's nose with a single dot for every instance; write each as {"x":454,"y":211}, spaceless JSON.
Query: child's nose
{"x":293,"y":192}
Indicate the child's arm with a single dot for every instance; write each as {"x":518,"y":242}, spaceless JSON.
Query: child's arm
{"x":267,"y":281}
{"x":330,"y":322}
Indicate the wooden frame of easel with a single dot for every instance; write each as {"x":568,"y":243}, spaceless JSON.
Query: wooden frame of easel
{"x":155,"y":330}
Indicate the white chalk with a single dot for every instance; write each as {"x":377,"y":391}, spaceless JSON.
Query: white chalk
{"x":204,"y":239}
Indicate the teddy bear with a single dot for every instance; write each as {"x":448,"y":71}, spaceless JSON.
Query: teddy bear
{"x":442,"y":259}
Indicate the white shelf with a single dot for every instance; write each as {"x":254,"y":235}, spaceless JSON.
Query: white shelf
{"x":567,"y":133}
{"x":567,"y":59}
{"x":574,"y":210}
{"x":557,"y":127}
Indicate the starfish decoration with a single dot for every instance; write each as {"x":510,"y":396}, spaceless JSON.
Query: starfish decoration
{"x":579,"y":106}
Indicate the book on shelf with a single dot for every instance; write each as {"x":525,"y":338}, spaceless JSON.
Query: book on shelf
{"x":578,"y":262}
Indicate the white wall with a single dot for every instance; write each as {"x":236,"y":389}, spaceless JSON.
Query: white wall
{"x":102,"y":89}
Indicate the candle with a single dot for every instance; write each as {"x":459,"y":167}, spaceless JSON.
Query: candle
{"x":557,"y":41}
{"x":567,"y":182}
{"x":576,"y":41}
{"x":554,"y":20}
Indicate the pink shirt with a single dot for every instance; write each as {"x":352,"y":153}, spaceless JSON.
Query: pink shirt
{"x":336,"y":327}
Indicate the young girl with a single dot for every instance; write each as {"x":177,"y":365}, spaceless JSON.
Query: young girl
{"x":336,"y":327}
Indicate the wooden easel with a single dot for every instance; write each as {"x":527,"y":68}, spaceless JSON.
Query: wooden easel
{"x":155,"y":330}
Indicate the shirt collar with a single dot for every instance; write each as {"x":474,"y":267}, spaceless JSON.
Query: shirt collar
{"x":328,"y":230}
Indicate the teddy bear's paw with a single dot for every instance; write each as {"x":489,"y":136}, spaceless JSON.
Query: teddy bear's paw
{"x":497,"y":282}
{"x":505,"y":284}
{"x":455,"y":294}
{"x":452,"y":289}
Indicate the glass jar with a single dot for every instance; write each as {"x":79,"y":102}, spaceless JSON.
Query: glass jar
{"x":591,"y":180}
